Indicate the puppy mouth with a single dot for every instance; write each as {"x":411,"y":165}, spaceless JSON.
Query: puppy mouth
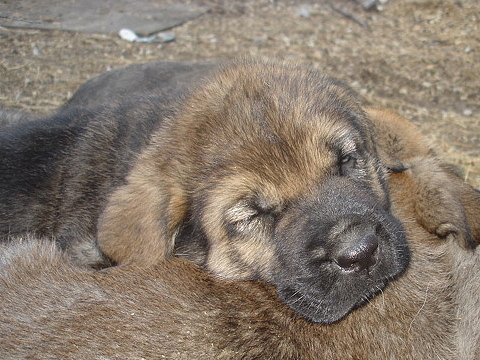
{"x":316,"y":306}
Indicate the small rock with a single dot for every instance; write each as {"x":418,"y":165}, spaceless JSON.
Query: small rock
{"x":130,"y":35}
{"x":304,"y":11}
{"x":36,"y":51}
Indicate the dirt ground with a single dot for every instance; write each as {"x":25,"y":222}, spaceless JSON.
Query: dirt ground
{"x":419,"y":57}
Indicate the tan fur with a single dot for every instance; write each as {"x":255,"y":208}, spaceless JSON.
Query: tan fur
{"x":285,"y":162}
{"x":396,"y":138}
{"x":141,"y":221}
{"x":133,"y":216}
{"x":53,"y":309}
{"x":246,"y":179}
{"x":267,"y":171}
{"x":467,"y":266}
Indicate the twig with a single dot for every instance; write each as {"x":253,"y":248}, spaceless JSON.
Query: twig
{"x":348,"y":15}
{"x":18,"y":19}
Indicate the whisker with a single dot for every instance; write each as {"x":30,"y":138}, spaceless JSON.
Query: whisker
{"x":421,"y":308}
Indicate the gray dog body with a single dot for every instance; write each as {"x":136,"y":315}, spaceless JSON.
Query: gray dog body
{"x":56,"y":172}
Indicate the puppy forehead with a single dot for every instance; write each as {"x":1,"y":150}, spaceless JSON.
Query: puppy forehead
{"x":269,"y":102}
{"x":295,"y":145}
{"x":281,"y":125}
{"x":329,"y":118}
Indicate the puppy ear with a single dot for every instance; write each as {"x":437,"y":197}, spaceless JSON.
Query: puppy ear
{"x":470,"y":200}
{"x":141,"y":218}
{"x":397,"y":140}
{"x":444,"y":203}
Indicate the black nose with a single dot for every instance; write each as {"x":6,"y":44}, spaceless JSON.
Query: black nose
{"x":360,"y":256}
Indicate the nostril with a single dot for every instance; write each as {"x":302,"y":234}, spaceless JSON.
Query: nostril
{"x":359,"y":257}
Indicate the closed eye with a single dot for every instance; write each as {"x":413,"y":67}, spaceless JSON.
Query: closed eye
{"x":240,"y":212}
{"x":250,"y":215}
{"x":348,"y":163}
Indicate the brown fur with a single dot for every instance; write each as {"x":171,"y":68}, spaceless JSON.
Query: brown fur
{"x":162,"y":185}
{"x":56,"y":172}
{"x":224,"y":176}
{"x":397,"y":139}
{"x":237,"y":167}
{"x":53,"y":309}
{"x":467,"y":266}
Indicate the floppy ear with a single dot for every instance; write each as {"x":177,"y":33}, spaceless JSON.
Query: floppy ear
{"x":444,"y":203}
{"x":397,"y":140}
{"x":141,"y":218}
{"x":470,"y":200}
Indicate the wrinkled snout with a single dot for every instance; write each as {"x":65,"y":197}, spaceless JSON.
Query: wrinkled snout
{"x":351,"y":244}
{"x":337,"y":249}
{"x":360,"y":249}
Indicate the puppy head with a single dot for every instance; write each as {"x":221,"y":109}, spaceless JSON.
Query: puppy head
{"x":274,"y":169}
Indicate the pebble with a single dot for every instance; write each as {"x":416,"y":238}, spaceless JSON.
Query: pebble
{"x":131,"y":36}
{"x":128,"y":34}
{"x":304,"y":11}
{"x":36,"y":51}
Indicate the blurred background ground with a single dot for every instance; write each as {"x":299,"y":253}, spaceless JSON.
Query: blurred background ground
{"x":418,"y":57}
